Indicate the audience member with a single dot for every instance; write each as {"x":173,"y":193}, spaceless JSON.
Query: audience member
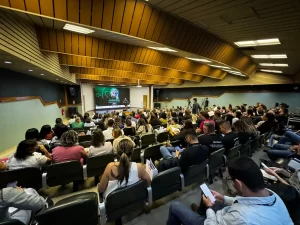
{"x":210,"y":138}
{"x":243,"y":131}
{"x":237,"y":115}
{"x":89,"y":123}
{"x":77,"y":124}
{"x":249,"y":112}
{"x":26,"y":156}
{"x":70,"y":150}
{"x":59,"y":131}
{"x":133,"y":117}
{"x":230,"y":139}
{"x":254,"y":204}
{"x":71,"y":120}
{"x":218,"y":120}
{"x":195,"y":153}
{"x":154,"y":121}
{"x":174,"y":127}
{"x":99,"y":146}
{"x":187,"y":115}
{"x":122,"y":173}
{"x":108,"y":132}
{"x":187,"y":128}
{"x":251,"y":126}
{"x":129,"y":130}
{"x":46,"y":132}
{"x":118,"y":123}
{"x":207,"y":119}
{"x":118,"y":136}
{"x":19,"y":204}
{"x":86,"y":115}
{"x":33,"y":133}
{"x":282,"y":117}
{"x":269,"y":123}
{"x":143,"y":127}
{"x":259,"y":116}
{"x":163,"y":118}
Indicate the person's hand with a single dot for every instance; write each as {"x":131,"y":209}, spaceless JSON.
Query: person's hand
{"x":177,"y":153}
{"x":168,"y":144}
{"x":198,"y":130}
{"x":219,"y":197}
{"x":19,"y":188}
{"x":276,"y":169}
{"x":270,"y":171}
{"x":207,"y":201}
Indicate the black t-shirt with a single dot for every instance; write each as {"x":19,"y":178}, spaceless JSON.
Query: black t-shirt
{"x":155,"y":122}
{"x":230,"y":140}
{"x":281,"y":118}
{"x":196,"y":107}
{"x":192,"y":155}
{"x":212,"y":141}
{"x":129,"y":131}
{"x":244,"y":137}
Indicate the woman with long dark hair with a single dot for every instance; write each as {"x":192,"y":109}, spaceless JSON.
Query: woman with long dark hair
{"x":122,"y":173}
{"x":143,"y":127}
{"x":46,"y":132}
{"x":99,"y":146}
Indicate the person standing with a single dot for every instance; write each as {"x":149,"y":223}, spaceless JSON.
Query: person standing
{"x":195,"y":109}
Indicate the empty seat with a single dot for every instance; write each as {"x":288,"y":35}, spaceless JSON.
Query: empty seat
{"x":162,"y":137}
{"x":76,"y":210}
{"x":216,"y":161}
{"x":196,"y":173}
{"x":146,"y":140}
{"x":233,"y":152}
{"x":85,"y":144}
{"x":136,"y":155}
{"x":84,"y":138}
{"x":152,"y":153}
{"x":123,"y":201}
{"x":246,"y":149}
{"x":64,"y":173}
{"x":96,"y":165}
{"x":26,"y":177}
{"x":11,"y":222}
{"x":166,"y":183}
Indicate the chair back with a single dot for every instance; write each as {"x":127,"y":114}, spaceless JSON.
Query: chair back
{"x":234,"y":152}
{"x":216,"y":160}
{"x":255,"y":144}
{"x":156,"y":127}
{"x":146,"y":140}
{"x":126,"y":200}
{"x":64,"y":173}
{"x":75,"y":210}
{"x":166,"y":183}
{"x":84,"y":138}
{"x":110,"y":140}
{"x":85,"y":144}
{"x":11,"y":222}
{"x":162,"y":137}
{"x":97,"y":164}
{"x":136,"y":155}
{"x":152,"y":153}
{"x":246,"y":149}
{"x":26,"y":177}
{"x":195,"y":173}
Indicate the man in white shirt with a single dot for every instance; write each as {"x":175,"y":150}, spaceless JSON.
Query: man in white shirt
{"x":108,"y":132}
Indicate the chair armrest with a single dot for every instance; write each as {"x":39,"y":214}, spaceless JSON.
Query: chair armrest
{"x":142,"y":156}
{"x":44,"y":180}
{"x":207,"y":171}
{"x":182,"y":181}
{"x":102,"y":211}
{"x":224,"y":160}
{"x":84,"y":169}
{"x":149,"y":200}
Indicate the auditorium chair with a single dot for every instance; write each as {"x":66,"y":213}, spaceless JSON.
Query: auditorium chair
{"x":136,"y":155}
{"x":84,"y":138}
{"x":26,"y":177}
{"x":166,"y":183}
{"x":216,"y":161}
{"x":162,"y":137}
{"x":96,"y":165}
{"x":78,"y":130}
{"x":11,"y":222}
{"x":255,"y":144}
{"x":86,"y":144}
{"x":63,"y":173}
{"x":152,"y":152}
{"x":233,"y":153}
{"x":123,"y":201}
{"x":147,"y":139}
{"x":196,"y":173}
{"x":245,"y":150}
{"x":81,"y":209}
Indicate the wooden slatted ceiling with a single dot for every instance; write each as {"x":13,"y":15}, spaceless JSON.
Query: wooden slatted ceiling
{"x":104,"y":49}
{"x":19,"y":39}
{"x":120,"y":81}
{"x":141,"y":20}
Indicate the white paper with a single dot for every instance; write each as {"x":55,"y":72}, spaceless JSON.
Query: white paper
{"x":266,"y":175}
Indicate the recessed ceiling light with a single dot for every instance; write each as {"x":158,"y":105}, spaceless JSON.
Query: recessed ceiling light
{"x":274,"y":64}
{"x":7,"y":62}
{"x":30,"y":70}
{"x":123,"y":85}
{"x":77,"y":29}
{"x":42,"y":74}
{"x":272,"y":41}
{"x":277,"y":56}
{"x":223,"y":67}
{"x":271,"y":71}
{"x":198,"y":60}
{"x":163,"y":49}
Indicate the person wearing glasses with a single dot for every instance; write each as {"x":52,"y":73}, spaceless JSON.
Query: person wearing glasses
{"x":254,"y":204}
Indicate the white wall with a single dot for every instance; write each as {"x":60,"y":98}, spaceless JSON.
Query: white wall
{"x":136,"y":96}
{"x":269,"y":99}
{"x":87,"y":97}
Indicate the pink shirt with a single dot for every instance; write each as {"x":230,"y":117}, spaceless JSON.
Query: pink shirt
{"x":63,"y":153}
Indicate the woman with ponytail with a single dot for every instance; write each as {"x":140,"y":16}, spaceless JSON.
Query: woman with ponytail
{"x":122,"y":173}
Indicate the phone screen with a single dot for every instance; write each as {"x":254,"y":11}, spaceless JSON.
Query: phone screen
{"x":178,"y":148}
{"x":12,"y":184}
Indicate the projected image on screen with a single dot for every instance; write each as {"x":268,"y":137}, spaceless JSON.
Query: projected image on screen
{"x":111,"y":97}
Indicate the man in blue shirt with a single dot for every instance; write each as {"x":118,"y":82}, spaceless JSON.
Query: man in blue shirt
{"x":254,"y":204}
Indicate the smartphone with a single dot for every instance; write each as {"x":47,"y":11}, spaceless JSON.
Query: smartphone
{"x":264,"y":165}
{"x":207,"y":192}
{"x":178,"y":148}
{"x":12,"y":184}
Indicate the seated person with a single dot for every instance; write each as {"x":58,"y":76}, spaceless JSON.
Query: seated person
{"x":195,"y":153}
{"x":143,"y":127}
{"x":77,"y":124}
{"x":26,"y":156}
{"x":187,"y":115}
{"x":269,"y":123}
{"x":122,"y":173}
{"x":46,"y":132}
{"x":60,"y":129}
{"x":251,"y":126}
{"x":174,"y":127}
{"x":24,"y":201}
{"x":89,"y":123}
{"x":128,"y":129}
{"x":118,"y":136}
{"x":57,"y":121}
{"x":70,"y":150}
{"x":163,"y":118}
{"x":154,"y":121}
{"x":254,"y":204}
{"x":108,"y":132}
{"x":290,"y":137}
{"x":210,"y":138}
{"x":118,"y":123}
{"x":188,"y":127}
{"x":99,"y":146}
{"x":243,"y":131}
{"x":33,"y":133}
{"x":206,"y":119}
{"x":71,"y":120}
{"x":283,"y":151}
{"x":230,"y":139}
